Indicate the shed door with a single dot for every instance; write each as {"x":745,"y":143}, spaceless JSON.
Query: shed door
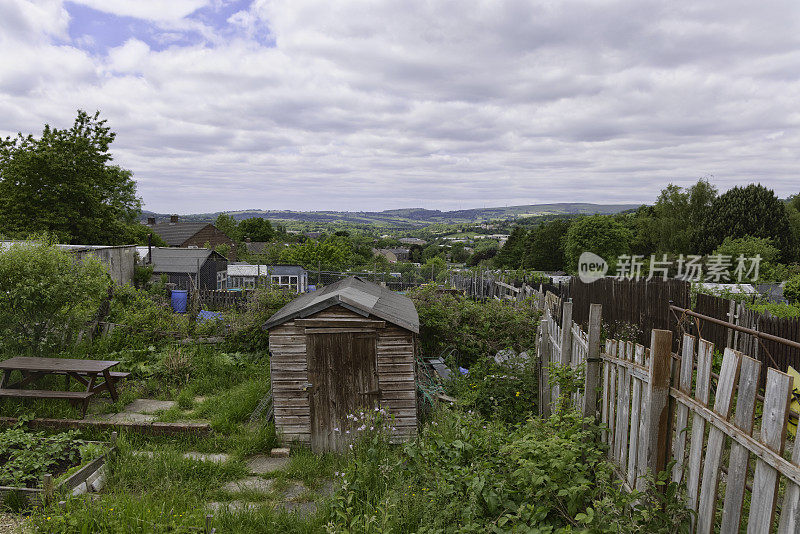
{"x":343,"y":373}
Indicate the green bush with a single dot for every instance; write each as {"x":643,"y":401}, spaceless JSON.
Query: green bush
{"x":497,"y":391}
{"x":471,"y":330}
{"x":46,"y":296}
{"x":246,"y":331}
{"x":791,"y":290}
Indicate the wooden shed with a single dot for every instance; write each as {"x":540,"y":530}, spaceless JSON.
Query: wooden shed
{"x":337,"y":350}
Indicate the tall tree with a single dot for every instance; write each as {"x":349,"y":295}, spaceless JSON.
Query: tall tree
{"x":544,"y":246}
{"x":747,"y":211}
{"x":600,"y":234}
{"x":227,"y":225}
{"x":510,"y":254}
{"x":64,"y":183}
{"x":256,"y":228}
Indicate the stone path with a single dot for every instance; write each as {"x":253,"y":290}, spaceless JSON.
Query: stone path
{"x":139,"y":411}
{"x":288,"y":499}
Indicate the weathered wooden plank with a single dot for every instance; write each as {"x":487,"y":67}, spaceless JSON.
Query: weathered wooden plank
{"x":773,"y":435}
{"x":706,"y":511}
{"x":606,"y":395}
{"x":626,"y":409}
{"x":657,"y":444}
{"x":406,"y":369}
{"x":705,"y":354}
{"x":739,"y":455}
{"x":404,"y":377}
{"x":399,"y":395}
{"x":636,"y":410}
{"x":612,"y":403}
{"x":592,"y":361}
{"x":682,"y":417}
{"x":790,"y":511}
{"x":336,"y":322}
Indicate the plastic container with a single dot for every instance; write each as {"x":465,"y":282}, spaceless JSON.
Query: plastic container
{"x":179,"y":298}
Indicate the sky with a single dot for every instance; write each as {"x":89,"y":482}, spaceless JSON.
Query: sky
{"x":443,"y":104}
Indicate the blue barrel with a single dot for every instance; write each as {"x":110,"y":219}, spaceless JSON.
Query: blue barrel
{"x":179,"y":299}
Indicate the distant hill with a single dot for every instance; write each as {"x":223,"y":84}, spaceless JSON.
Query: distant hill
{"x":418,"y":216}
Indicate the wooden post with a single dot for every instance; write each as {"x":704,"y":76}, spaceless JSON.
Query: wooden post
{"x":47,"y":487}
{"x":592,"y":378}
{"x":657,"y":429}
{"x":731,"y":319}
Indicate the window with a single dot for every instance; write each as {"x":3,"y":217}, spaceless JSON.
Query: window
{"x":222,"y":279}
{"x":287,"y":281}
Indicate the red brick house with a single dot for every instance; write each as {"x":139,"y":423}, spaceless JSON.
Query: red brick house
{"x":191,"y":234}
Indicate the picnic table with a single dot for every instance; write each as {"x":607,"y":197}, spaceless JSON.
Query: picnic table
{"x":95,"y":375}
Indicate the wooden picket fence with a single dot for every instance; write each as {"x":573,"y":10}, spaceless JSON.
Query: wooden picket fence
{"x":728,"y":443}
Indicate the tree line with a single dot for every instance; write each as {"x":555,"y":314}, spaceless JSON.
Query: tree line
{"x":697,"y":220}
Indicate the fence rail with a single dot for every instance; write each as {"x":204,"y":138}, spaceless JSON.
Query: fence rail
{"x":728,"y":443}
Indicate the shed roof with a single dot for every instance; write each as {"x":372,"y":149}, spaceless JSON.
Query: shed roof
{"x":181,"y":260}
{"x":354,"y":293}
{"x":243,"y":269}
{"x":176,"y":234}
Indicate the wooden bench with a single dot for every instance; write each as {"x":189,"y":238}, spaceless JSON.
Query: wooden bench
{"x":75,"y":397}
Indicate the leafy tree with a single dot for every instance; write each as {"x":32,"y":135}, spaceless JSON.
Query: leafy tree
{"x":46,"y":296}
{"x":63,"y":183}
{"x":747,"y":211}
{"x":510,"y":255}
{"x":677,"y":217}
{"x":434,"y":268}
{"x":330,"y":253}
{"x":415,"y":253}
{"x":544,"y":246}
{"x":431,"y":251}
{"x":227,"y":225}
{"x":484,"y":251}
{"x":601,"y":234}
{"x":255,"y":228}
{"x":793,"y":211}
{"x":750,"y":247}
{"x":458,"y":253}
{"x":791,"y":290}
{"x":136,"y":234}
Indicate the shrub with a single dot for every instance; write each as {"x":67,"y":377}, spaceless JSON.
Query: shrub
{"x":791,"y":290}
{"x":46,"y":296}
{"x":246,"y":329}
{"x":473,"y":330}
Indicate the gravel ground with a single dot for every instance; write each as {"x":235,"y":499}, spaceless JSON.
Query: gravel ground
{"x":10,"y":524}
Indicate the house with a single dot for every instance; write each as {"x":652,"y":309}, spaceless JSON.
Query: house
{"x":412,"y":241}
{"x":393,"y":255}
{"x":335,"y":351}
{"x":187,"y":268}
{"x":119,"y":260}
{"x":292,"y":277}
{"x":191,"y":234}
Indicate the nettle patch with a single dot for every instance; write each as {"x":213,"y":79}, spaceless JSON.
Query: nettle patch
{"x":25,"y":457}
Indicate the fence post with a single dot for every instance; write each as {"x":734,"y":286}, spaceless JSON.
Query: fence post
{"x":657,"y":428}
{"x":592,"y":361}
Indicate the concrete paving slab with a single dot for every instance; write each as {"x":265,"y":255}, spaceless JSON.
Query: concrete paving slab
{"x":233,"y":506}
{"x":302,"y":508}
{"x":257,"y":484}
{"x":149,"y":406}
{"x":261,"y":464}
{"x":127,"y":417}
{"x":208,"y":456}
{"x":294,"y":490}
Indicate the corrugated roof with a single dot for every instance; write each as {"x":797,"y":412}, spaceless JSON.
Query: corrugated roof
{"x":176,"y":234}
{"x":180,"y":260}
{"x":240,"y":269}
{"x":356,"y":294}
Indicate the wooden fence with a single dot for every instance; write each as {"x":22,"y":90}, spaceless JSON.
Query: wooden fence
{"x":769,"y":353}
{"x":644,"y":303}
{"x":728,"y":443}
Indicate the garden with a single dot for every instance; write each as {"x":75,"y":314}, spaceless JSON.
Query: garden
{"x":483,"y":462}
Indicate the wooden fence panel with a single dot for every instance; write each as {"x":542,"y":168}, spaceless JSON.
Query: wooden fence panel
{"x":737,"y":465}
{"x":682,"y":418}
{"x":723,"y":400}
{"x":773,"y":434}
